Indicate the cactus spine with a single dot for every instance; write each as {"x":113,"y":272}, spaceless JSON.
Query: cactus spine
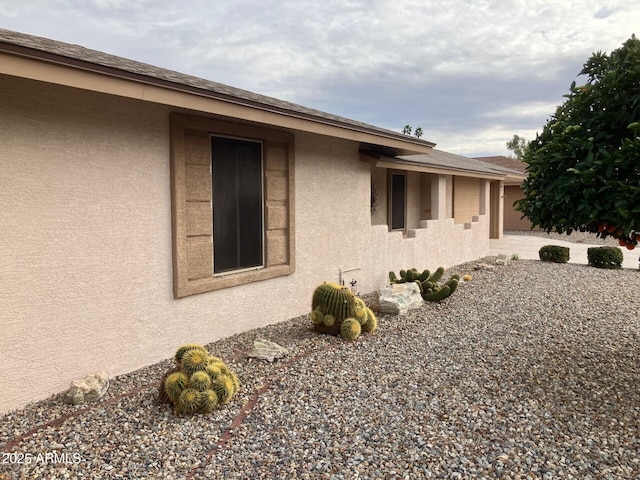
{"x":317,"y":316}
{"x":372,"y":322}
{"x":199,"y":383}
{"x":438,"y":295}
{"x":332,"y":305}
{"x":187,"y":347}
{"x":174,"y":384}
{"x":350,"y":329}
{"x":428,"y":283}
{"x":329,"y":321}
{"x":224,"y":388}
{"x":194,"y":361}
{"x":210,"y":401}
{"x":437,"y":275}
{"x":334,"y":300}
{"x":189,"y":401}
{"x":360,"y":311}
{"x":424,"y":275}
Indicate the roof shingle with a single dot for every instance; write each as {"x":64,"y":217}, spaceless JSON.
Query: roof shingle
{"x":82,"y":57}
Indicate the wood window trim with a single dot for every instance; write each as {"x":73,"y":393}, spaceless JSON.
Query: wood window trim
{"x":279,"y":208}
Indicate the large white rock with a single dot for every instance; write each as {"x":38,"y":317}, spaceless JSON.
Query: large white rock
{"x":267,"y":350}
{"x":91,"y":388}
{"x":400,"y":298}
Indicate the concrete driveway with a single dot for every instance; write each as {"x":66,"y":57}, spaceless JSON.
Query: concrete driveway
{"x":527,"y":247}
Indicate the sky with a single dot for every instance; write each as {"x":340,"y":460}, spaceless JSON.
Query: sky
{"x":470,"y":73}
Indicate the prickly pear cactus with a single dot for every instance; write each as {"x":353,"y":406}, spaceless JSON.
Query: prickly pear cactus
{"x":198,"y":383}
{"x":337,"y":311}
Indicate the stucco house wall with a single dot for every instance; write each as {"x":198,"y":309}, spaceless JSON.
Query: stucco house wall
{"x":379,"y":195}
{"x":512,"y":190}
{"x":87,"y":244}
{"x":86,"y":262}
{"x":87,"y":279}
{"x":512,"y":218}
{"x":466,"y":199}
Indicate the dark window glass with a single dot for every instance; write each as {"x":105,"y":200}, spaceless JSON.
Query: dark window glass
{"x":236,"y":171}
{"x":398,"y":194}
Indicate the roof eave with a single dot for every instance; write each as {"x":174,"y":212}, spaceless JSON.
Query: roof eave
{"x":399,"y":143}
{"x":401,"y":164}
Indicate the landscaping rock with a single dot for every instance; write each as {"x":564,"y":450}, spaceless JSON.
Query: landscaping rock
{"x":400,"y":298}
{"x":266,"y":350}
{"x":502,"y":259}
{"x":90,"y":389}
{"x":484,"y":266}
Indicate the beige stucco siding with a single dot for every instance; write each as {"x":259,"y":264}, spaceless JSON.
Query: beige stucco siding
{"x":512,"y":218}
{"x":414,"y":200}
{"x":466,"y":198}
{"x":426,"y":179}
{"x":86,"y":243}
{"x":86,"y":239}
{"x":379,"y":212}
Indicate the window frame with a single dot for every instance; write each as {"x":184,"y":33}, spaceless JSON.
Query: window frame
{"x":390,"y":196}
{"x":262,"y":213}
{"x":278,"y":204}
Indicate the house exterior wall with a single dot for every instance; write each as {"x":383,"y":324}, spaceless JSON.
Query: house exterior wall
{"x":414,"y":200}
{"x":425,"y":196}
{"x":379,"y":212}
{"x":466,"y":198}
{"x":512,"y":218}
{"x":86,"y":241}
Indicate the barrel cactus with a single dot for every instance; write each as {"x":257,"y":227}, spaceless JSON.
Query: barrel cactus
{"x":371,"y":324}
{"x":174,"y":384}
{"x":350,"y":329}
{"x":335,"y":310}
{"x":198,"y":383}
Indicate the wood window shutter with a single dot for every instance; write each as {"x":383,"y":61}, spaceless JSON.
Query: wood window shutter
{"x":192,"y":211}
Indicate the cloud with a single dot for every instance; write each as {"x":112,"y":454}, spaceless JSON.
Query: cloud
{"x":467,"y":72}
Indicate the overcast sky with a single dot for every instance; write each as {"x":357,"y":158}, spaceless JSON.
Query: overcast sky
{"x":470,"y":73}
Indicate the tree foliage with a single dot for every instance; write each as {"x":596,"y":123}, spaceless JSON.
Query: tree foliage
{"x":517,"y":145}
{"x":407,"y":131}
{"x":584,"y":168}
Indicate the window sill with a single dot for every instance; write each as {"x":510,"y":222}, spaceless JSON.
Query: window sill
{"x":231,"y":279}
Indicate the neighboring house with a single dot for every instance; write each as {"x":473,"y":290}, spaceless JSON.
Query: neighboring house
{"x":512,"y":190}
{"x":143,"y":208}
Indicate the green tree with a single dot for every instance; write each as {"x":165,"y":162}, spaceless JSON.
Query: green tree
{"x":584,"y":168}
{"x":407,"y":131}
{"x":518,"y":146}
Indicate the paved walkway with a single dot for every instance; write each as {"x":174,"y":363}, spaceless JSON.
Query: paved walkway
{"x":527,"y":247}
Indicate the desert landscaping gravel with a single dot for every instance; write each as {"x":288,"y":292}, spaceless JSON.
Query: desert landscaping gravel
{"x":530,"y":370}
{"x":574,"y":237}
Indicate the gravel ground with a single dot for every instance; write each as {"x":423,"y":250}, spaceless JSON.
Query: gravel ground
{"x":575,"y":237}
{"x":530,"y":370}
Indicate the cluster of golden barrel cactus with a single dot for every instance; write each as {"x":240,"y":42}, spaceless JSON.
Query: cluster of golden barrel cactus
{"x":198,"y":383}
{"x":337,"y":311}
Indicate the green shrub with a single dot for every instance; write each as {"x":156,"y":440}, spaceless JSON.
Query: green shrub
{"x":554,"y":253}
{"x":605,"y":257}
